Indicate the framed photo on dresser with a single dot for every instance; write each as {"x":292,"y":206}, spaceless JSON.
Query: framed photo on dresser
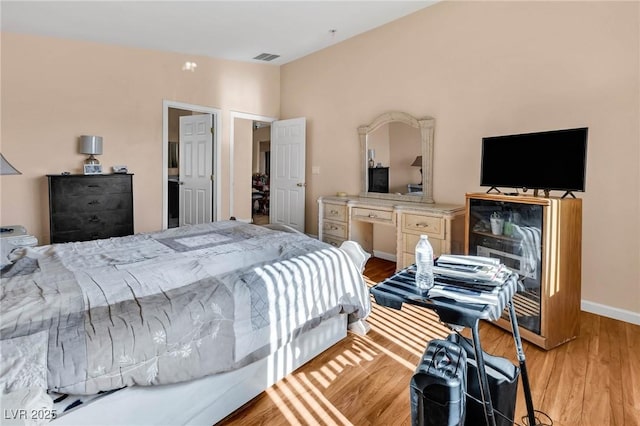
{"x":92,"y":169}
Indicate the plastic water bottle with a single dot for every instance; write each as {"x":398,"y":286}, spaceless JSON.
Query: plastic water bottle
{"x":424,"y":263}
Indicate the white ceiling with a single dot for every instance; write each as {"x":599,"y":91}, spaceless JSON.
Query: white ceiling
{"x":236,"y":30}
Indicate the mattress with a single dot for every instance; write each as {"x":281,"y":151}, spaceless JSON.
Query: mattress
{"x":171,"y":306}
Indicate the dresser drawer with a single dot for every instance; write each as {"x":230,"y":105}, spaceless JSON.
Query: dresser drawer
{"x":334,"y":229}
{"x":91,"y":203}
{"x":336,"y":242}
{"x":92,"y":233}
{"x":411,"y":240}
{"x":410,"y":258}
{"x":429,"y":225}
{"x":102,"y":219}
{"x":90,"y":185}
{"x":373,"y":215}
{"x":335,"y":212}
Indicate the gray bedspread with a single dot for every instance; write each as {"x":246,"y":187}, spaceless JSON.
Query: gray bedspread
{"x":171,"y":306}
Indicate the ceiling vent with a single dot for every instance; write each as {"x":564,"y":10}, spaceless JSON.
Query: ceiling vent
{"x":266,"y":57}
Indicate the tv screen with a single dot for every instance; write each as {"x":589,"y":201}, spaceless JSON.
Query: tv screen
{"x":553,"y":160}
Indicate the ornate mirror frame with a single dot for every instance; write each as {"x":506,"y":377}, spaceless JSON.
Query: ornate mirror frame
{"x":426,"y":126}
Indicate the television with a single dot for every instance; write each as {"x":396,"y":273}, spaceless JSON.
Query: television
{"x":550,"y":160}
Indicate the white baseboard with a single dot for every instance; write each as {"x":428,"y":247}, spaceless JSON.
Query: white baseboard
{"x":386,"y":256}
{"x":610,"y":312}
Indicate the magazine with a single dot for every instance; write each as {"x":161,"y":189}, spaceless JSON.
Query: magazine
{"x":464,"y":295}
{"x":471,"y":270}
{"x":455,"y":259}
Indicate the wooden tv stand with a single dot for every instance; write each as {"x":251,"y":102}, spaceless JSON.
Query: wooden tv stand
{"x":548,"y":303}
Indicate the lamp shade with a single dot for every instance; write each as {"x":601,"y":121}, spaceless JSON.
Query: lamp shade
{"x":372,"y":153}
{"x":417,"y":162}
{"x":91,"y":145}
{"x":6,"y":168}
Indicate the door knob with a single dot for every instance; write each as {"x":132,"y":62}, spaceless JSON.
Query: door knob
{"x":301,"y":184}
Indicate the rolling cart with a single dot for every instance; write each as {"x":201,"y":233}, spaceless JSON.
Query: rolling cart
{"x":400,"y":288}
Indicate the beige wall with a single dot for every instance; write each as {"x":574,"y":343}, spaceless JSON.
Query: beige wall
{"x":242,"y":165}
{"x":55,"y":90}
{"x":479,"y":68}
{"x":491,"y":68}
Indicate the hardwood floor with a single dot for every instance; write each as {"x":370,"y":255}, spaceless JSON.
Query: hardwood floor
{"x":364,"y":380}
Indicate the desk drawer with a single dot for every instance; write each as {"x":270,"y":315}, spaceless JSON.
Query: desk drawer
{"x":373,"y":215}
{"x":432,"y":226}
{"x":335,"y":212}
{"x":409,"y":258}
{"x":411,"y":240}
{"x":334,"y":229}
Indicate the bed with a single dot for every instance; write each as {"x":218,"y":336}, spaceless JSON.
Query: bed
{"x":186,"y":324}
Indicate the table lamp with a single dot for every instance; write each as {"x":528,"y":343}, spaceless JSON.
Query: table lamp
{"x":6,"y":168}
{"x":91,"y":145}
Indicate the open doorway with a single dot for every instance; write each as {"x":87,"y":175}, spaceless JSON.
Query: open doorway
{"x":250,"y":167}
{"x":261,"y":171}
{"x":177,"y":179}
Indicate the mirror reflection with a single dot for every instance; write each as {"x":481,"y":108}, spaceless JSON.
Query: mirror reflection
{"x":397,"y":150}
{"x":395,"y":159}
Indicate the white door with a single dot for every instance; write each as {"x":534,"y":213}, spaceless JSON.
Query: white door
{"x":196,"y":169}
{"x":287,"y":179}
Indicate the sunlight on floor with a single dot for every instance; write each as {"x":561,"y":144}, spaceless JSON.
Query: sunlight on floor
{"x":305,"y":398}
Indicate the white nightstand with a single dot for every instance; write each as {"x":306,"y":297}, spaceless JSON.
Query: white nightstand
{"x":13,"y":237}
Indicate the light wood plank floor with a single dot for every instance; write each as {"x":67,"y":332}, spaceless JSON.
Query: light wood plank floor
{"x":364,"y":380}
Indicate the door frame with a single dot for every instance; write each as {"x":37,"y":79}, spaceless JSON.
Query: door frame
{"x":217,"y":163}
{"x":233,"y":116}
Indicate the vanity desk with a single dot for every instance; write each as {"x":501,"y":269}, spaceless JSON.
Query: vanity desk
{"x":353,"y":217}
{"x":402,"y":146}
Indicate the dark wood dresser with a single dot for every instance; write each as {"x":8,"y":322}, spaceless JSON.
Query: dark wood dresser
{"x":90,"y":207}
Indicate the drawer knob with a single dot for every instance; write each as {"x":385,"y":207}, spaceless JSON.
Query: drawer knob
{"x":93,"y":185}
{"x":93,"y":202}
{"x":334,"y":212}
{"x":372,"y":215}
{"x":94,"y":219}
{"x":422,"y":225}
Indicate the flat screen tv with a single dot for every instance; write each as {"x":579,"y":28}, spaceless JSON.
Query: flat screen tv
{"x":551,"y":160}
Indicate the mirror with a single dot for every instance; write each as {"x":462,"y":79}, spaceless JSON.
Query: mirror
{"x":174,"y":148}
{"x":397,"y":158}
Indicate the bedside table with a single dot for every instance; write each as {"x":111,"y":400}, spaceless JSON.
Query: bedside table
{"x":13,"y":237}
